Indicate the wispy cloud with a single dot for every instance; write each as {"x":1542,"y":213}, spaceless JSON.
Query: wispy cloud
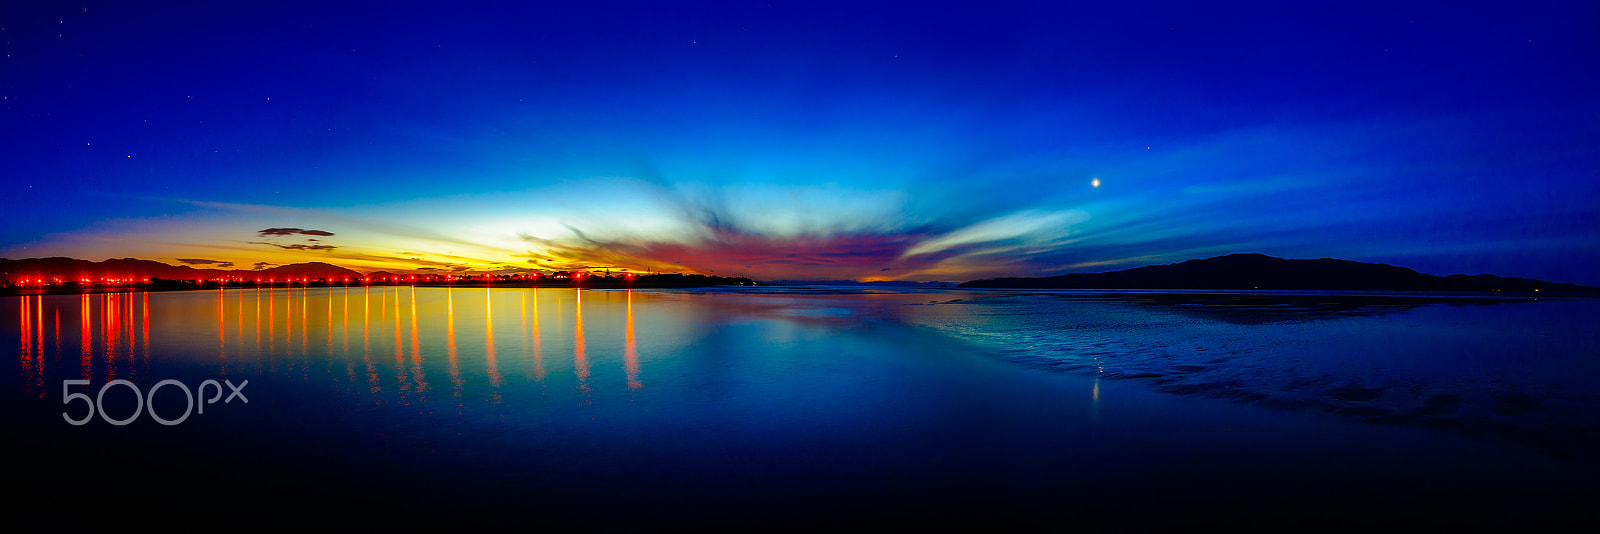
{"x":292,"y":231}
{"x":296,"y":246}
{"x":201,"y":261}
{"x":1023,"y":226}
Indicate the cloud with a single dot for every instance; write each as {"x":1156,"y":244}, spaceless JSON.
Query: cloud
{"x":735,"y":251}
{"x":1027,"y":225}
{"x":262,"y":264}
{"x":296,"y":246}
{"x":292,"y":231}
{"x":199,"y":261}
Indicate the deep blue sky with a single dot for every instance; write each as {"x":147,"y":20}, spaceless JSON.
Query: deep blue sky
{"x":806,"y":140}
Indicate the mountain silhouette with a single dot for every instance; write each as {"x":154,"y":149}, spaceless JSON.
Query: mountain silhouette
{"x":315,"y":269}
{"x":881,"y":283}
{"x":71,"y":269}
{"x":1260,"y":271}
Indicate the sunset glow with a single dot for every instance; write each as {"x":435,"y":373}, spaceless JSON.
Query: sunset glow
{"x":950,"y":146}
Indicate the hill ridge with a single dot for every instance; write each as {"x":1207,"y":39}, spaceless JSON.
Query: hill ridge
{"x":1253,"y":270}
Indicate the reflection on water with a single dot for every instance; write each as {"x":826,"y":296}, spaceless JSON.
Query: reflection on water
{"x":112,"y":339}
{"x":1471,"y":366}
{"x":630,"y":354}
{"x":859,"y":400}
{"x":386,"y":340}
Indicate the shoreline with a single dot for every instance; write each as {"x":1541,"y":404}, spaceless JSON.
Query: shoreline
{"x":1131,"y":292}
{"x":12,"y":292}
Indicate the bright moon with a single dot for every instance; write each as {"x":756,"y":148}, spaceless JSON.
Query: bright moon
{"x":1095,"y":182}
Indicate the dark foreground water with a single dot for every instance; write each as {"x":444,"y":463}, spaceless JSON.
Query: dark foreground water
{"x":802,"y":408}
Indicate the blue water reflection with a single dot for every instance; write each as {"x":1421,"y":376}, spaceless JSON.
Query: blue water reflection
{"x":713,"y":407}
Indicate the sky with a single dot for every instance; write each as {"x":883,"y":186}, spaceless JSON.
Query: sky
{"x":804,"y":140}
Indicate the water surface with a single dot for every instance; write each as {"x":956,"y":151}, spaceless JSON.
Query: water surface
{"x":814,"y":406}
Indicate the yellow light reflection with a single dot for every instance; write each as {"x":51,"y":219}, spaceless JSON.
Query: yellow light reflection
{"x":488,"y":339}
{"x":110,"y":329}
{"x":305,"y":331}
{"x":580,"y":358}
{"x":222,"y":328}
{"x":630,"y":354}
{"x":328,"y":296}
{"x":38,"y":361}
{"x":238,"y":322}
{"x":345,"y":328}
{"x":450,"y":334}
{"x":366,"y":340}
{"x":288,"y":319}
{"x":85,"y":336}
{"x":399,"y":348}
{"x":416,"y":347}
{"x":272,"y":321}
{"x":25,"y":333}
{"x":258,"y":320}
{"x":131,"y":323}
{"x":538,"y":349}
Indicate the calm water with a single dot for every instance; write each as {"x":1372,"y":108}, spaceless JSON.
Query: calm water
{"x":794,"y":407}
